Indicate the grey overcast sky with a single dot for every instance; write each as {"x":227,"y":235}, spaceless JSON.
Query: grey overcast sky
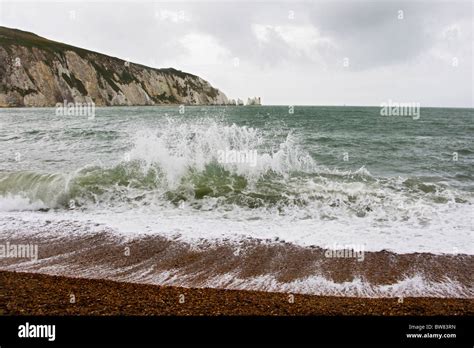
{"x":287,"y":52}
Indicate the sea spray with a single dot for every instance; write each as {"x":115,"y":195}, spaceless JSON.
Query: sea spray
{"x":153,"y":170}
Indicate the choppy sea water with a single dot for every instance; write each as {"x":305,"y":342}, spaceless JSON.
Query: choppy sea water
{"x":320,"y":177}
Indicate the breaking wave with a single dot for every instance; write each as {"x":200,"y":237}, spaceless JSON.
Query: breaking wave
{"x":181,"y":164}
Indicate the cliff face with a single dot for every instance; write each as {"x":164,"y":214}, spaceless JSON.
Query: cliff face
{"x":35,"y":71}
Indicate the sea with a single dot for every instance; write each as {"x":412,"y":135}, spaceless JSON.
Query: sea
{"x":304,"y":177}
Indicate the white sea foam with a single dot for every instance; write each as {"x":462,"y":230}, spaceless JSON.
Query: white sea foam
{"x":12,"y":202}
{"x":178,"y":146}
{"x":415,"y":286}
{"x":287,"y":195}
{"x":193,"y":226}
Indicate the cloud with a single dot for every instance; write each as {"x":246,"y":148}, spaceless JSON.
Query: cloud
{"x":288,"y":52}
{"x":202,"y":49}
{"x":172,"y":16}
{"x":375,"y":34}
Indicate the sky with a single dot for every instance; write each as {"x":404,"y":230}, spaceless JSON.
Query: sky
{"x":286,"y":52}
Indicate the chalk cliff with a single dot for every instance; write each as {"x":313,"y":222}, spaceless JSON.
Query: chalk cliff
{"x":35,"y":71}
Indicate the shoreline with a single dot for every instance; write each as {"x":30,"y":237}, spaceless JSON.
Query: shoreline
{"x":73,"y":249}
{"x":40,"y":294}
